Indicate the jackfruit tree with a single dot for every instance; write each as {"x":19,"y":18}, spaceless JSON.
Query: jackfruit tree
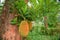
{"x":20,"y":13}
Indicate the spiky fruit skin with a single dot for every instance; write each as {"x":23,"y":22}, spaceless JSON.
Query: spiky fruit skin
{"x":24,"y":28}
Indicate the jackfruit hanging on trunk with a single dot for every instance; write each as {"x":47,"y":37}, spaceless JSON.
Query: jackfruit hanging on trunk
{"x":24,"y":28}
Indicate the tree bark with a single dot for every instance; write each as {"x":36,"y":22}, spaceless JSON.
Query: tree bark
{"x":8,"y":31}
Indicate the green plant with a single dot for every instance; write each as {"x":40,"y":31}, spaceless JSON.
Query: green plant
{"x":44,"y":8}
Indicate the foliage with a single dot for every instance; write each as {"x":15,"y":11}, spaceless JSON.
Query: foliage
{"x":37,"y":10}
{"x":14,"y":21}
{"x":36,"y":34}
{"x":1,"y":5}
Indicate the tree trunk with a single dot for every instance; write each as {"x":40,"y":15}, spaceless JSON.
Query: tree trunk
{"x":8,"y":31}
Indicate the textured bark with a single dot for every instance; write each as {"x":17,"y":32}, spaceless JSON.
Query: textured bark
{"x":3,"y":17}
{"x":8,"y":31}
{"x":11,"y":32}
